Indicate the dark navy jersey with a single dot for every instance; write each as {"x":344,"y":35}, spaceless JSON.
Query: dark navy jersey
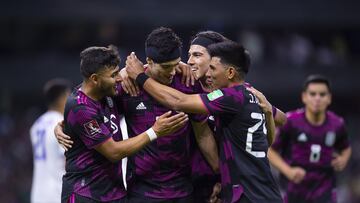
{"x":162,"y":168}
{"x":240,"y":126}
{"x":88,"y":173}
{"x":312,"y":148}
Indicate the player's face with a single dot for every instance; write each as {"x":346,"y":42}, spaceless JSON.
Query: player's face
{"x":164,"y":72}
{"x":217,"y":73}
{"x":108,"y":80}
{"x":199,"y":60}
{"x":316,"y":97}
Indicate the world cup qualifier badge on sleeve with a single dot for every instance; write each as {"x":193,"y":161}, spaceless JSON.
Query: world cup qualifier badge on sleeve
{"x":92,"y":127}
{"x":214,"y":95}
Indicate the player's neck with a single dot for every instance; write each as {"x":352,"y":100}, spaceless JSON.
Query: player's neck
{"x":91,"y":92}
{"x":204,"y":85}
{"x":235,"y":83}
{"x":315,"y":118}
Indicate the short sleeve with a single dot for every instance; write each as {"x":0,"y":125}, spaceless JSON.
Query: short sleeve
{"x":282,"y":138}
{"x":342,"y":138}
{"x":89,"y":125}
{"x":223,"y":101}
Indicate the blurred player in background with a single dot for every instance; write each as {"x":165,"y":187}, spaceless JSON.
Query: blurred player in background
{"x":49,"y":160}
{"x":311,"y":146}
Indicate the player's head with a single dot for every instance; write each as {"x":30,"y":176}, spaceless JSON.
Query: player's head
{"x":163,"y":52}
{"x":56,"y":92}
{"x":99,"y":66}
{"x":230,"y":63}
{"x":199,"y":57}
{"x":316,"y":94}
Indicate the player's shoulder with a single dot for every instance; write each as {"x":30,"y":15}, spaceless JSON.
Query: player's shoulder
{"x":334,"y":118}
{"x":295,"y":114}
{"x":191,"y":89}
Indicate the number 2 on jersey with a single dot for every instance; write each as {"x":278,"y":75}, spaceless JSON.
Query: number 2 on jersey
{"x":251,"y":130}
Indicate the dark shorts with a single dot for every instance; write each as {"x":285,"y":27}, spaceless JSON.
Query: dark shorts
{"x":75,"y":198}
{"x":142,"y":199}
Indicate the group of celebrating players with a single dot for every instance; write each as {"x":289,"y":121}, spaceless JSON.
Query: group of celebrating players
{"x":195,"y":132}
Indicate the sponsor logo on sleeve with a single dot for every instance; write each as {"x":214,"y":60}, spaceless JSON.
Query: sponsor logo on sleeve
{"x":215,"y":95}
{"x":92,"y":127}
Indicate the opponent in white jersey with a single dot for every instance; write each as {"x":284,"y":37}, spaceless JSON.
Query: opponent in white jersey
{"x":49,"y":159}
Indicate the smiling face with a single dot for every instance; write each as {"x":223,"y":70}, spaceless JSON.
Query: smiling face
{"x":108,"y":79}
{"x":199,"y":60}
{"x":316,"y":97}
{"x":163,"y":72}
{"x":218,"y":72}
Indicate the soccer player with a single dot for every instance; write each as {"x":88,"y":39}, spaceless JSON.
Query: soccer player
{"x":312,"y":146}
{"x":92,"y":121}
{"x":49,"y":162}
{"x":162,"y":169}
{"x":244,"y":167}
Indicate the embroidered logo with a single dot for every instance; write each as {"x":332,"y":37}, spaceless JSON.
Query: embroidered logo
{"x":141,"y":106}
{"x":302,"y":137}
{"x":330,"y":138}
{"x":92,"y":127}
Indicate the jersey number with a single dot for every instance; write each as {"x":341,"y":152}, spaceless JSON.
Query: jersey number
{"x":251,"y":130}
{"x":315,"y":153}
{"x":39,"y":146}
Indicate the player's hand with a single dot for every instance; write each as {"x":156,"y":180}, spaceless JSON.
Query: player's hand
{"x":296,"y":174}
{"x":167,"y":124}
{"x":134,"y":66}
{"x":63,"y":139}
{"x":214,"y":198}
{"x":128,"y":84}
{"x":338,"y":163}
{"x":187,"y":75}
{"x":263,"y":102}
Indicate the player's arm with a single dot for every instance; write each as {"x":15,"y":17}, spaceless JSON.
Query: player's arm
{"x":207,"y":144}
{"x":268,"y":111}
{"x":279,"y":118}
{"x":340,"y":161}
{"x":342,"y":145}
{"x":294,"y":174}
{"x":167,"y":96}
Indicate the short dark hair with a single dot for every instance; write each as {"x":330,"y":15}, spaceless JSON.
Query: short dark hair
{"x":55,"y":88}
{"x":212,"y":35}
{"x":95,"y":58}
{"x":164,"y":40}
{"x":232,"y":53}
{"x":316,"y":78}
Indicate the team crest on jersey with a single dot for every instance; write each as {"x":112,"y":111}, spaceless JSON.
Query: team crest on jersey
{"x":330,"y":138}
{"x":92,"y":127}
{"x":302,"y":138}
{"x":214,"y":95}
{"x":110,"y":102}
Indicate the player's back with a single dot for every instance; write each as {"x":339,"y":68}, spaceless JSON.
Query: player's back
{"x":48,"y":159}
{"x":240,"y":126}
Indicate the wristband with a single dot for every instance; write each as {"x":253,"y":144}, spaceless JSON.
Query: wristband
{"x":151,"y":133}
{"x":141,"y":78}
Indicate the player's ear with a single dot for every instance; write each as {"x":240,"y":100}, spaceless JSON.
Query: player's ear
{"x":303,"y":96}
{"x":94,"y":78}
{"x":231,"y":72}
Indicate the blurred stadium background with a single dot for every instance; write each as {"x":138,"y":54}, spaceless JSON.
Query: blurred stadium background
{"x":288,"y":40}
